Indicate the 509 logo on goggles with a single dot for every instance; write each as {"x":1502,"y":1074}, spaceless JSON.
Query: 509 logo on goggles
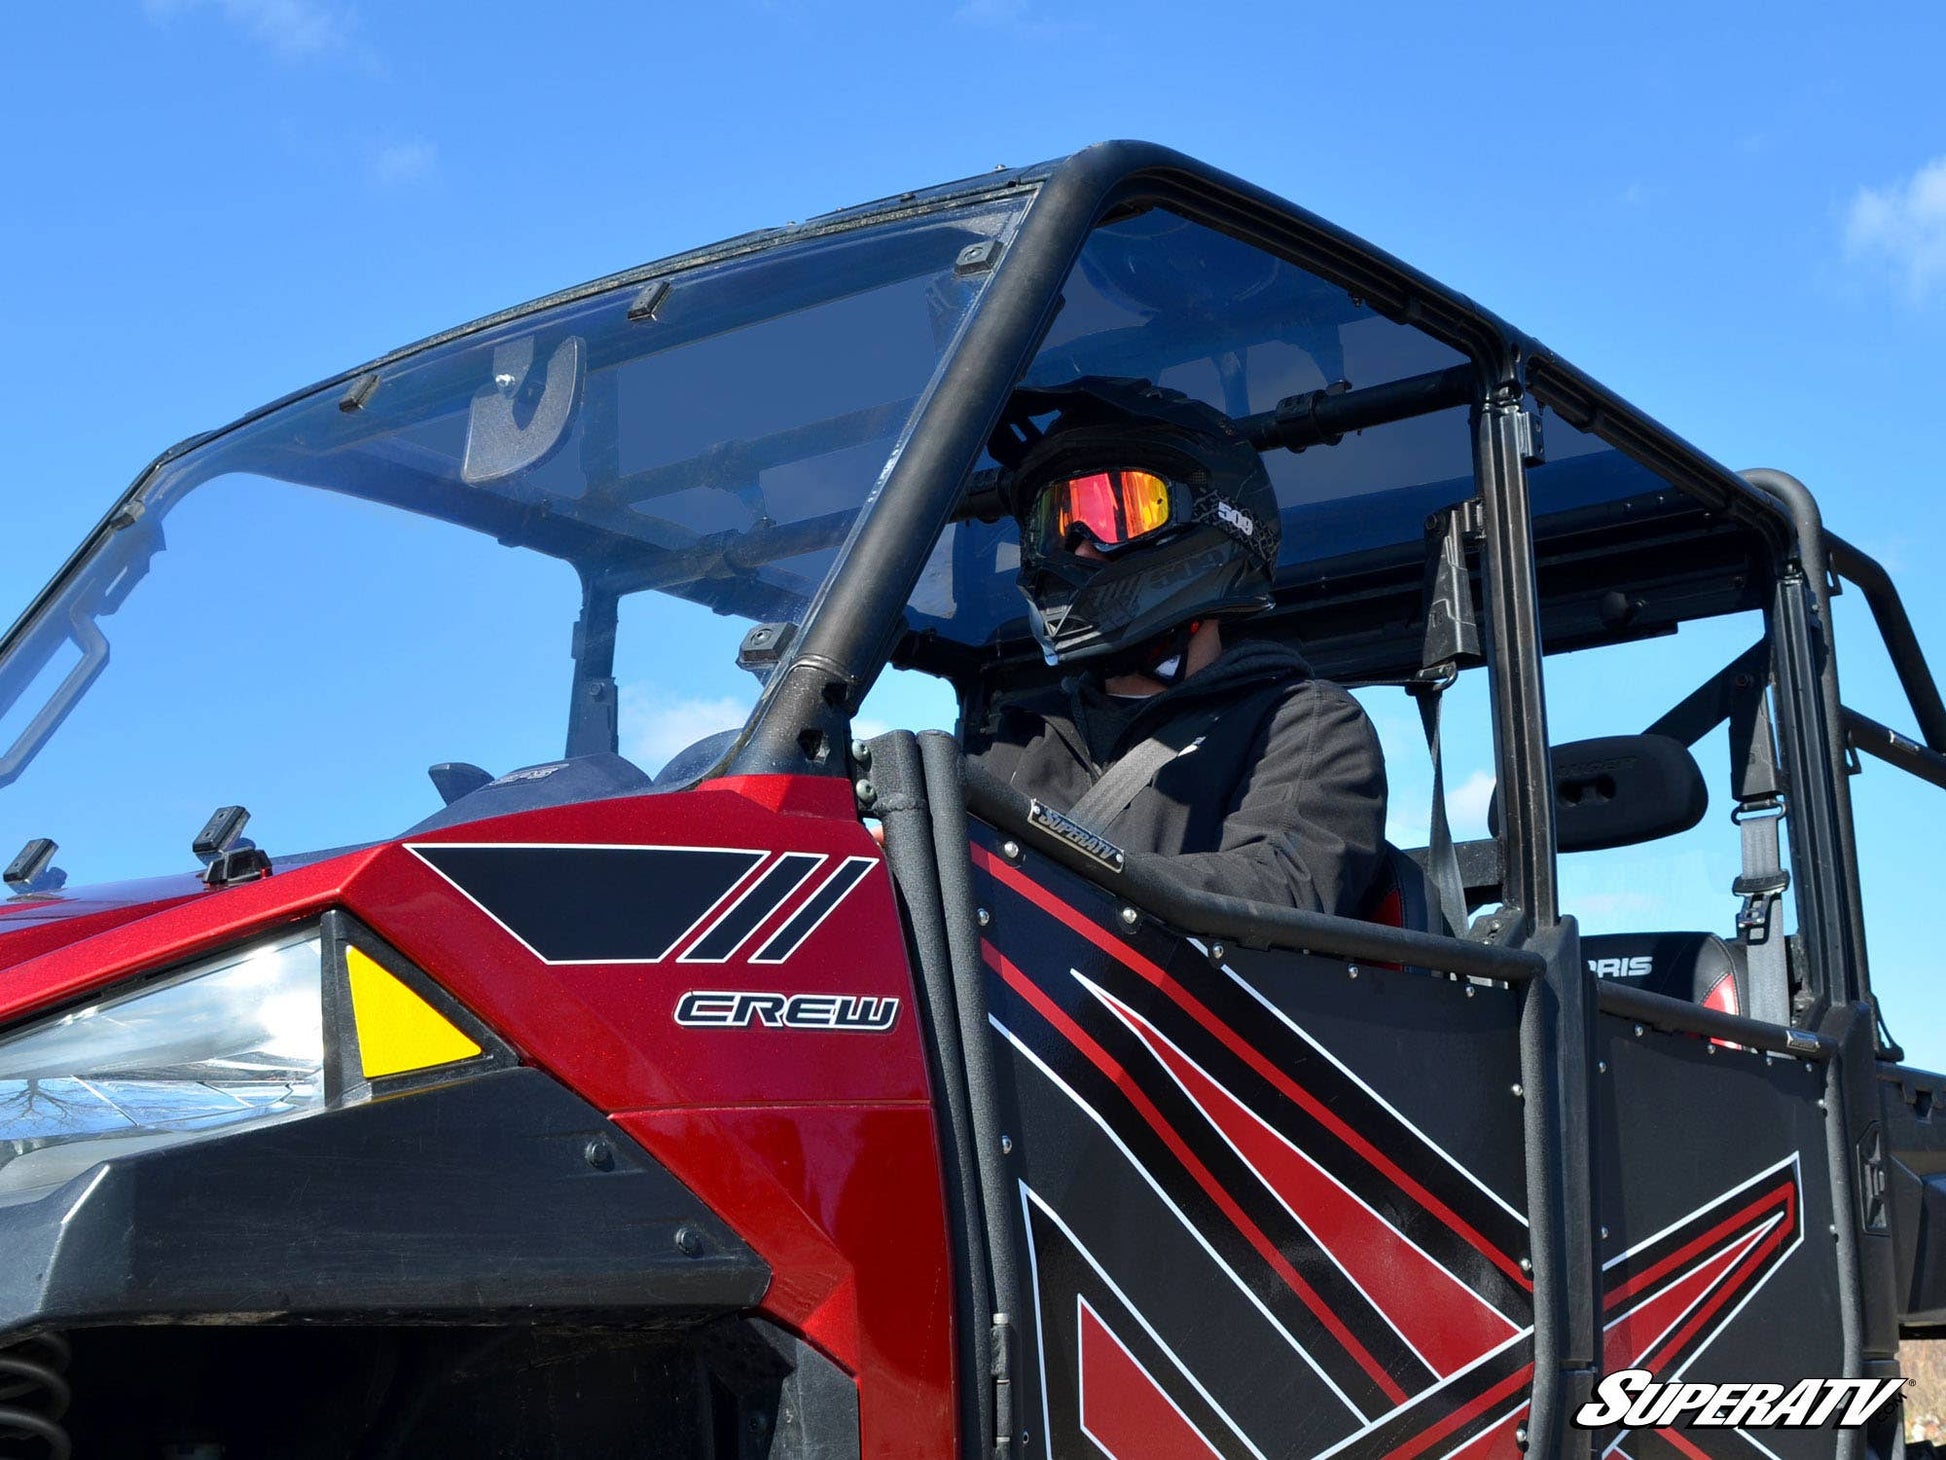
{"x":1635,"y":1399}
{"x":741,"y":1008}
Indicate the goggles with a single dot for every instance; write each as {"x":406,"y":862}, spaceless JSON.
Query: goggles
{"x":1114,"y":508}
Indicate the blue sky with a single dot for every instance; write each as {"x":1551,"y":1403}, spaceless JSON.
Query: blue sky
{"x":1734,"y":215}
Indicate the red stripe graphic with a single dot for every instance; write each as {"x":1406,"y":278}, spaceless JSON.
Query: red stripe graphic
{"x":1784,"y":1196}
{"x":1731,"y":1286}
{"x":1629,"y":1337}
{"x":1446,"y":1322}
{"x":1118,"y":950}
{"x":1686,"y":1446}
{"x":1449,"y":1425}
{"x":1495,"y":1442}
{"x":1266,"y":1249}
{"x":1123,"y":1409}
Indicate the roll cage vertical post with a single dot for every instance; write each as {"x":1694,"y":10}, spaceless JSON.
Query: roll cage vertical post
{"x":1831,"y":905}
{"x":1557,"y":1009}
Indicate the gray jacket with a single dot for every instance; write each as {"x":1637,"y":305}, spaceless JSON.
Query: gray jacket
{"x":1282,"y":801}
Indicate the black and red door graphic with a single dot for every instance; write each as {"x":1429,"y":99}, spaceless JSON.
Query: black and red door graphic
{"x":1274,"y":1203}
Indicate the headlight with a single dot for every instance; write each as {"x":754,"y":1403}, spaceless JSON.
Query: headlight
{"x":239,"y":1039}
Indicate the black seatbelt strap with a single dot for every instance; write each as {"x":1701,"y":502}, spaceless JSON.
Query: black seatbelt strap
{"x":1759,"y":815}
{"x":1123,"y":781}
{"x":1452,"y":642}
{"x":1442,"y":860}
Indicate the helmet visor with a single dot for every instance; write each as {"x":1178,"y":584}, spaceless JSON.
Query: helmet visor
{"x":1112,"y":507}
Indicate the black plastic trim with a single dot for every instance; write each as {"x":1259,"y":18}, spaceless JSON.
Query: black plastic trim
{"x":1679,"y":1016}
{"x":479,"y":1199}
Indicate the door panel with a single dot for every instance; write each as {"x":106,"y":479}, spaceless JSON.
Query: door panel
{"x":1719,"y":1264}
{"x":1273,"y":1205}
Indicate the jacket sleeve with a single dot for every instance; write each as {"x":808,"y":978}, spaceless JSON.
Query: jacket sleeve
{"x":1307,"y":826}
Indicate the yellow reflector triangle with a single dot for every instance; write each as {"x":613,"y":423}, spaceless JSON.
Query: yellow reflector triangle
{"x":398,"y":1030}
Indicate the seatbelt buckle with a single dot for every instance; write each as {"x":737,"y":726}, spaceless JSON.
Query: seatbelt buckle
{"x":1760,"y":895}
{"x":1434,"y":679}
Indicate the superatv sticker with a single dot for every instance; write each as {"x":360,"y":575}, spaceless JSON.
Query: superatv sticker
{"x":741,"y":1008}
{"x":1076,"y":835}
{"x":1634,"y":1399}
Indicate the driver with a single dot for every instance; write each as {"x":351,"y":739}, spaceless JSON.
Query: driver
{"x":1147,"y":524}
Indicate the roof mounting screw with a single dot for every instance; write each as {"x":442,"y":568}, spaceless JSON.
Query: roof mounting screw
{"x":977,"y":258}
{"x":1520,"y":1092}
{"x":1006,"y":1145}
{"x":689,"y":1241}
{"x":1526,"y":1264}
{"x":985,"y":917}
{"x":1130,"y":917}
{"x":1010,"y":850}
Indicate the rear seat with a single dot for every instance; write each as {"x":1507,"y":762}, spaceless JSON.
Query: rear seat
{"x":1699,"y":967}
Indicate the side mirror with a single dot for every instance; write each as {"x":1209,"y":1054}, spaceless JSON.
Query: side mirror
{"x":1620,"y":790}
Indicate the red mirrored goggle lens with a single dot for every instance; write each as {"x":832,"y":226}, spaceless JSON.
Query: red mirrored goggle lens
{"x":1114,"y":506}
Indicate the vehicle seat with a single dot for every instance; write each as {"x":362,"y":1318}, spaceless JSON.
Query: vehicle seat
{"x":1403,"y":895}
{"x":1699,"y":967}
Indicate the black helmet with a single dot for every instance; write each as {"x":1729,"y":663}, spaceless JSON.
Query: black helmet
{"x":1166,"y":490}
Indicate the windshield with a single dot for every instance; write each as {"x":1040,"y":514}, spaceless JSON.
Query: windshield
{"x":542,"y":539}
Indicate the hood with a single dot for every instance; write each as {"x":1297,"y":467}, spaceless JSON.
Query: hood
{"x":31,"y":926}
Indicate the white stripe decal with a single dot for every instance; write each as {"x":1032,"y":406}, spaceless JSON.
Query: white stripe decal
{"x":1177,"y":1212}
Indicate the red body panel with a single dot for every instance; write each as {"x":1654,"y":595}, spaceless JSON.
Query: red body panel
{"x":818,"y":1145}
{"x":844,"y":1203}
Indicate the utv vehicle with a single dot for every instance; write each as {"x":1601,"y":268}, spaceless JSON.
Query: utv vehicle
{"x":517,"y":1082}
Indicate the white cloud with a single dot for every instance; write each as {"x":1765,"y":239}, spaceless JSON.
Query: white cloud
{"x":399,"y":163}
{"x":296,"y":29}
{"x":1903,"y":226}
{"x":655,"y":726}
